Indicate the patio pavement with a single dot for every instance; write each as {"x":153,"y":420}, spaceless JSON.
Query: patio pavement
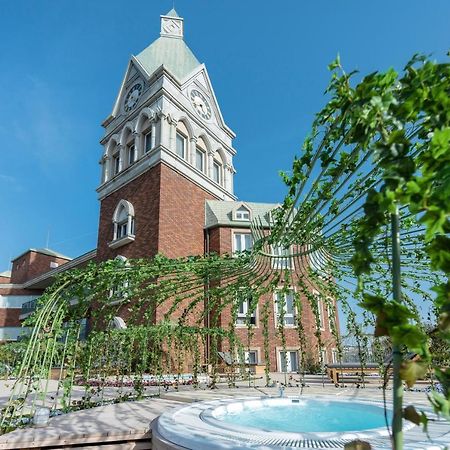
{"x":129,"y":422}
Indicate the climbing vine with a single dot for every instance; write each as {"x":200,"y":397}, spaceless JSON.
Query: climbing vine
{"x":378,"y":155}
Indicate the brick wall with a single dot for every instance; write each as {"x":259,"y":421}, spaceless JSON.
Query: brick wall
{"x":144,"y":194}
{"x":182,"y":215}
{"x":220,"y":239}
{"x":9,"y":317}
{"x":32,"y":264}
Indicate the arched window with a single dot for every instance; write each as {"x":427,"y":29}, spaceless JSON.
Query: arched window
{"x":116,"y":162}
{"x":182,"y":137}
{"x":123,"y":221}
{"x":217,"y":169}
{"x":200,"y":155}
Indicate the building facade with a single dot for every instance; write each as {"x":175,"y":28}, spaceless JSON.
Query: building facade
{"x":167,"y":183}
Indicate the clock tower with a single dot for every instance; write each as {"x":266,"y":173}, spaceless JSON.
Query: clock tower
{"x":167,"y":150}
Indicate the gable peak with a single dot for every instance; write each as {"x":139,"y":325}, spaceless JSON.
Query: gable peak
{"x":172,"y":13}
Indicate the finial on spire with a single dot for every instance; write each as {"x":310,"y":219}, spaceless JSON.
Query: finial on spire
{"x":172,"y":25}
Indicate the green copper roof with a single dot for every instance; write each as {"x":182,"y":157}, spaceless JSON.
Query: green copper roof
{"x":172,"y":13}
{"x":171,"y":52}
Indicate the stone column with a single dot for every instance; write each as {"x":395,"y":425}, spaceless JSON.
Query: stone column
{"x":153,"y":136}
{"x":130,"y":218}
{"x":210,"y":158}
{"x":138,"y":144}
{"x":105,"y":168}
{"x":228,"y":177}
{"x":122,"y":157}
{"x":164,"y":131}
{"x":173,"y":134}
{"x":192,"y":145}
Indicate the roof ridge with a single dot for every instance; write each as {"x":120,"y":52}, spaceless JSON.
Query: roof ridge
{"x":172,"y":13}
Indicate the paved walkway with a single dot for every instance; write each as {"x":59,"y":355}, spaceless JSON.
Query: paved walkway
{"x":131,"y":420}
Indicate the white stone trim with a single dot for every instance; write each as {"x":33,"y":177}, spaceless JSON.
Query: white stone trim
{"x":15,"y":301}
{"x":122,"y":241}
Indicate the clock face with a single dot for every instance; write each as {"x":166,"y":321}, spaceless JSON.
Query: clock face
{"x":132,"y":97}
{"x":200,"y":104}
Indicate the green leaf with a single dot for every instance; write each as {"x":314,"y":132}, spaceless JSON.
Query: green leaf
{"x":411,"y":371}
{"x":410,"y":413}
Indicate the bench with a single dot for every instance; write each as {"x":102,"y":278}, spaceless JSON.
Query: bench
{"x":351,"y":372}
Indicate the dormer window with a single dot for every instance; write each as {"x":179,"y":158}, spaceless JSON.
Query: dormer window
{"x":123,"y":221}
{"x":242,"y":213}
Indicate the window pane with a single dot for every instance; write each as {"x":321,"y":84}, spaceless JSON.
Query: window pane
{"x":116,"y":160}
{"x":131,"y":154}
{"x":289,"y":303}
{"x":148,"y":142}
{"x":251,"y":357}
{"x":216,"y":172}
{"x":237,"y":243}
{"x":199,"y":158}
{"x":294,"y":361}
{"x":283,"y":361}
{"x":248,"y":241}
{"x":121,"y":229}
{"x":181,"y":140}
{"x":123,"y":215}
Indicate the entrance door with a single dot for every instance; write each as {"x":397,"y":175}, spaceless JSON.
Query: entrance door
{"x":288,"y":361}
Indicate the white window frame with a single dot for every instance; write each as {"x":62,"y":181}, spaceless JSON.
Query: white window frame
{"x":240,"y":215}
{"x":219,"y":172}
{"x":198,"y":151}
{"x":147,"y":138}
{"x":280,"y":351}
{"x":283,"y":263}
{"x":292,"y":315}
{"x":242,"y":317}
{"x":184,"y":139}
{"x":117,"y":289}
{"x":334,"y":356}
{"x":124,"y":230}
{"x":320,"y":309}
{"x":132,"y":153}
{"x":116,"y":163}
{"x":242,"y":235}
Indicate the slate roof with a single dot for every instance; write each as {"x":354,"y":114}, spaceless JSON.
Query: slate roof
{"x":172,"y":53}
{"x":218,"y":212}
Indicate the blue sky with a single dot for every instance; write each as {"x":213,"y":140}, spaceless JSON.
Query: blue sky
{"x":62,"y":63}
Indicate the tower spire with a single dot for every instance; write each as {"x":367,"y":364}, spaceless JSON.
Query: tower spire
{"x":172,"y":25}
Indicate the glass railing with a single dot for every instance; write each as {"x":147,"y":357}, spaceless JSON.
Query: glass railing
{"x":28,"y":307}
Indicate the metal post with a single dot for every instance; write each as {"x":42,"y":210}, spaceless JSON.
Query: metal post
{"x":396,"y":351}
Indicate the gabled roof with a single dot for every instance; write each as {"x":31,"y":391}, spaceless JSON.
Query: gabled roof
{"x":6,"y":274}
{"x":44,"y":251}
{"x":172,"y":13}
{"x":219,"y":212}
{"x":171,"y":53}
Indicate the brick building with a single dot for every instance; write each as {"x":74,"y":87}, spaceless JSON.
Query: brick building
{"x":167,"y":182}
